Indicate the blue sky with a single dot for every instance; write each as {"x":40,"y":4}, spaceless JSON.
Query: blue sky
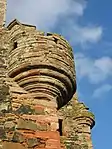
{"x":87,"y":25}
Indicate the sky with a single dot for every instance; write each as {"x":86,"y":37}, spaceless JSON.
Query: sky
{"x":87,"y":25}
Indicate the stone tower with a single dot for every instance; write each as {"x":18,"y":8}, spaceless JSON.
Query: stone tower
{"x":38,"y":103}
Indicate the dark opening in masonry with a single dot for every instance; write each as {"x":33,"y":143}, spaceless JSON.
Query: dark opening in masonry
{"x":55,"y":40}
{"x":60,"y":121}
{"x":15,"y":45}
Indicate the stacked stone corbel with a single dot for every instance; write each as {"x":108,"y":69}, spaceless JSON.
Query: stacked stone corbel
{"x":37,"y":78}
{"x":40,"y":79}
{"x":77,"y":125}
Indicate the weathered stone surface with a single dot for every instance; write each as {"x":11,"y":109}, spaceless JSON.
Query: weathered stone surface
{"x":2,"y":133}
{"x":37,"y":78}
{"x":32,"y":142}
{"x":77,"y":124}
{"x":18,"y":137}
{"x":11,"y":145}
{"x":2,"y":12}
{"x":9,"y":124}
{"x":41,"y":64}
{"x":25,"y":109}
{"x":24,"y":124}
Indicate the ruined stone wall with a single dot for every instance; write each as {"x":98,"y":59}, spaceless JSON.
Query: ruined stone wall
{"x":77,"y":125}
{"x":42,"y":64}
{"x":37,"y":78}
{"x":38,"y":71}
{"x":2,"y":12}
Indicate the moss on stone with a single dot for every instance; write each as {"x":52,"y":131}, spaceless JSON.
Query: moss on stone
{"x":18,"y":137}
{"x":76,"y":137}
{"x":25,"y":109}
{"x":84,"y":146}
{"x":4,"y":91}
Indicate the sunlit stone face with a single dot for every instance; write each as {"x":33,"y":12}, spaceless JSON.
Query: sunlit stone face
{"x":42,"y":64}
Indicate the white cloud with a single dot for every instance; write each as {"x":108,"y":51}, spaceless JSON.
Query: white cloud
{"x":104,"y":64}
{"x":95,"y":70}
{"x":89,"y":34}
{"x":101,"y":91}
{"x":83,"y":35}
{"x":43,"y":13}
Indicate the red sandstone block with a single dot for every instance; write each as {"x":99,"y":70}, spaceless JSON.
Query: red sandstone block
{"x":39,"y":148}
{"x":45,"y":110}
{"x":41,"y":134}
{"x":48,"y":135}
{"x":52,"y":147}
{"x":51,"y":143}
{"x":39,"y":107}
{"x":47,"y":148}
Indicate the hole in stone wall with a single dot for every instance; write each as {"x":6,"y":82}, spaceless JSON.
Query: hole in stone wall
{"x":60,"y":121}
{"x":15,"y":45}
{"x":55,"y":40}
{"x":23,"y":33}
{"x":42,"y":98}
{"x":49,"y":34}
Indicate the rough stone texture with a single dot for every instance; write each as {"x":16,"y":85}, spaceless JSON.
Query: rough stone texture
{"x":37,"y":82}
{"x":2,"y":12}
{"x":41,"y":64}
{"x":77,"y":122}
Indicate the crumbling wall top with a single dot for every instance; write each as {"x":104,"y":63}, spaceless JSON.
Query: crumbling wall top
{"x":16,"y":22}
{"x":41,"y":61}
